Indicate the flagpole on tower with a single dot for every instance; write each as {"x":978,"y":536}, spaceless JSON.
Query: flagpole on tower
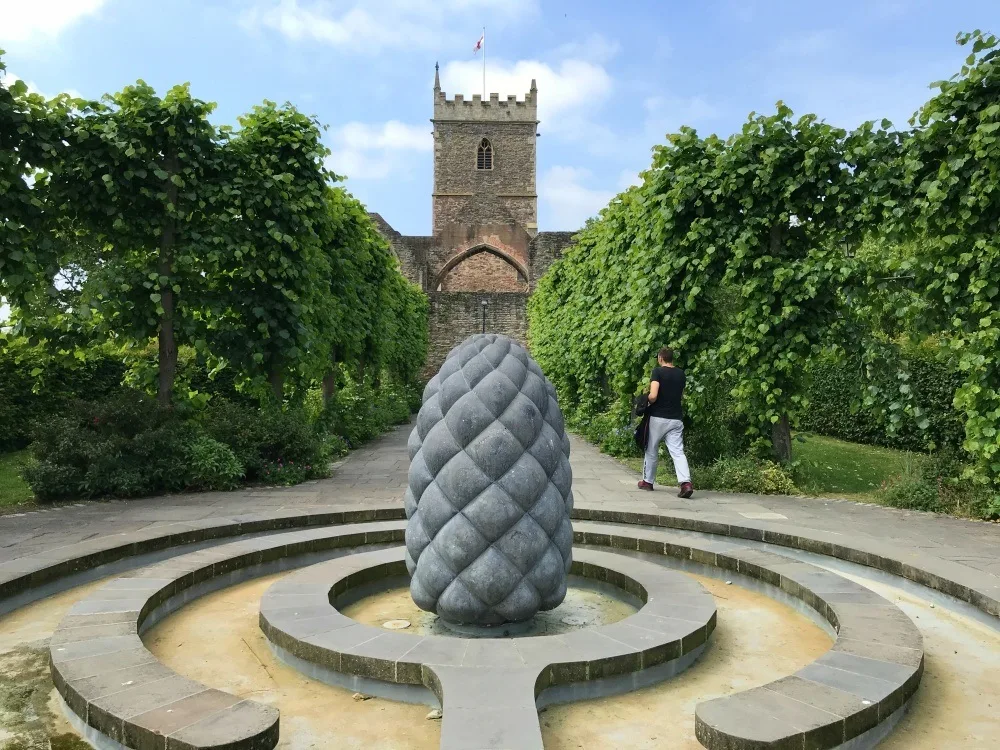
{"x":484,"y":64}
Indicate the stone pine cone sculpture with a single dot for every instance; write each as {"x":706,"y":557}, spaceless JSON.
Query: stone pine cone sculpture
{"x":488,"y":537}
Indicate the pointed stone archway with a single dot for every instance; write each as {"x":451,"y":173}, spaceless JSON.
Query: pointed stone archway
{"x":483,"y":247}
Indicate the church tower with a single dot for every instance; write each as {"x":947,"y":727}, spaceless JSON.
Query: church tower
{"x":484,"y":254}
{"x":484,"y":160}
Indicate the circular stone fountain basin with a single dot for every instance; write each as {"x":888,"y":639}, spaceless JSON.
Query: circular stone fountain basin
{"x":300,"y":616}
{"x":588,"y":604}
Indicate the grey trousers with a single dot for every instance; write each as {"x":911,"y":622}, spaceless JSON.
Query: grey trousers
{"x":670,"y":431}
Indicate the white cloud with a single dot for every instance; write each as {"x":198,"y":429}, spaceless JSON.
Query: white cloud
{"x":365,"y":151}
{"x":9,"y":79}
{"x":569,"y":86}
{"x":25,"y":20}
{"x":568,"y":202}
{"x":374,"y":25}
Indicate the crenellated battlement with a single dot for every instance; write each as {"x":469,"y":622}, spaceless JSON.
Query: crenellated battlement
{"x":494,"y":109}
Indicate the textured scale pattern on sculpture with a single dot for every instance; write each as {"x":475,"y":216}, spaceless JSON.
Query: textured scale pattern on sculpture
{"x":488,"y":537}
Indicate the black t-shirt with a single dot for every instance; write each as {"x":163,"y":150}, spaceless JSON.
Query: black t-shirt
{"x":668,"y":399}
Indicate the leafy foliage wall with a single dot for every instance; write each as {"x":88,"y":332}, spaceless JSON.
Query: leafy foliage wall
{"x":136,"y":219}
{"x":791,"y":245}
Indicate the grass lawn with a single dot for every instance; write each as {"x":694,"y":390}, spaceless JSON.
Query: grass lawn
{"x":827,"y":466}
{"x":13,"y":490}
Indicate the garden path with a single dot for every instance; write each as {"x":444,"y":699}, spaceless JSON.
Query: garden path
{"x":967,"y":552}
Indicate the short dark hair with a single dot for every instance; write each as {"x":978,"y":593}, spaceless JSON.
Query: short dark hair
{"x":666,"y":354}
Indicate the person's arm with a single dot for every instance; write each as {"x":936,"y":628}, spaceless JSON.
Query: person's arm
{"x":654,"y":390}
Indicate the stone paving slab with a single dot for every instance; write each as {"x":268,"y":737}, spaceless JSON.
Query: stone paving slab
{"x":954,"y":556}
{"x":39,"y":550}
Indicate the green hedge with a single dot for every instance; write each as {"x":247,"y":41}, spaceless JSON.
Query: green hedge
{"x":62,"y":381}
{"x":837,"y":391}
{"x":34,"y":384}
{"x":128,"y":446}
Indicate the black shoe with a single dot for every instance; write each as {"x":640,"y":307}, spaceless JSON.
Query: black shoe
{"x":686,"y":490}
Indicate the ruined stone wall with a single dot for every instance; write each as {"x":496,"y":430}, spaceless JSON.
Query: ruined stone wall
{"x":454,"y":316}
{"x":545,"y":249}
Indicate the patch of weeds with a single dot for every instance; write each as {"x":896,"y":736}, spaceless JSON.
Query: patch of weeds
{"x":25,"y":712}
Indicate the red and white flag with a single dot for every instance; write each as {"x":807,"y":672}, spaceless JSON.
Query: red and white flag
{"x":479,"y":44}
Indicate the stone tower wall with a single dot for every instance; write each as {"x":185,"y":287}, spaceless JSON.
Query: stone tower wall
{"x":504,"y":194}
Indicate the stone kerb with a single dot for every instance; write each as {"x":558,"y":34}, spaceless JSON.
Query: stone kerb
{"x":945,"y":576}
{"x":491,"y":688}
{"x":119,"y":692}
{"x":855,"y":692}
{"x":27,"y":578}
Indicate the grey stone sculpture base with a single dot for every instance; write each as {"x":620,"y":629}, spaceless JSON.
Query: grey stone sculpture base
{"x":489,"y":539}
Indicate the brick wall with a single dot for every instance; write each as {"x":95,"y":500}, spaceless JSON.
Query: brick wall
{"x":484,"y":272}
{"x":454,"y":316}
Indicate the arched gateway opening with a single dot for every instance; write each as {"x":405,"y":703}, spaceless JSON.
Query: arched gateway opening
{"x":482,"y":268}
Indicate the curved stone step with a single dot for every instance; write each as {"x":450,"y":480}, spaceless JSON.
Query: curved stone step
{"x":117,"y":689}
{"x":854,"y":693}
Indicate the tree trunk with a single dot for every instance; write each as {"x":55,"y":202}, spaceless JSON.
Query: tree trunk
{"x":277,"y":380}
{"x":167,"y":361}
{"x":777,"y":235}
{"x":330,"y":382}
{"x":781,"y":433}
{"x":781,"y":438}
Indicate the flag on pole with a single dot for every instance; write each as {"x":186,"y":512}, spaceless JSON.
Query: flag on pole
{"x":481,"y":45}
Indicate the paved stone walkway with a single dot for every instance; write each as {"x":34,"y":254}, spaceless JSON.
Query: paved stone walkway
{"x":375,"y":476}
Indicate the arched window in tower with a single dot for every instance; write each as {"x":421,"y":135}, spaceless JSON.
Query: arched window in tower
{"x":484,"y":157}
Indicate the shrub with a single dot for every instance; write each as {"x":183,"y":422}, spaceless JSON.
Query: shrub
{"x":360,"y":413}
{"x":335,"y":446}
{"x":121,"y":447}
{"x":260,"y":437}
{"x":212,"y":465}
{"x":939,"y":483}
{"x":910,"y":491}
{"x":277,"y":472}
{"x":34,"y":384}
{"x":746,"y":474}
{"x":715,"y":430}
{"x":611,"y":431}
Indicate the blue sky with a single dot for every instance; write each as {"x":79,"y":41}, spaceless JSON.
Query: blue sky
{"x":613,"y":77}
